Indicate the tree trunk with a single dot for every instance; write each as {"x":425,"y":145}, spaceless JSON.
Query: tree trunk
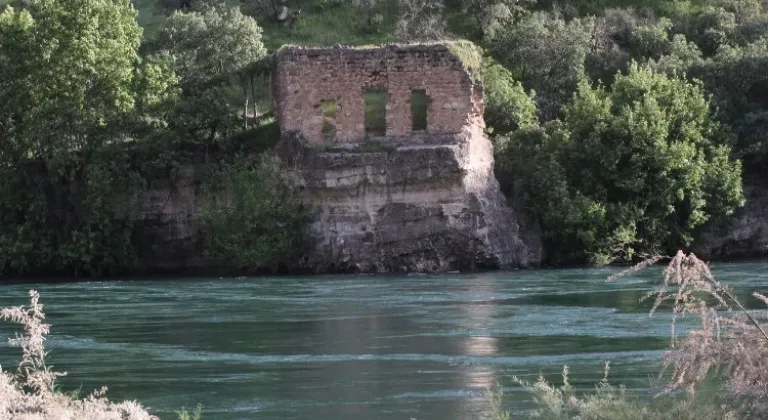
{"x":253,"y":97}
{"x":245,"y":102}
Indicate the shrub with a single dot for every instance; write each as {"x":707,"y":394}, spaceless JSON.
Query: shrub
{"x":733,"y":346}
{"x":634,"y":169}
{"x":196,"y":414}
{"x":606,"y":402}
{"x":252,"y":217}
{"x":547,"y":54}
{"x":31,"y":392}
{"x":507,"y":106}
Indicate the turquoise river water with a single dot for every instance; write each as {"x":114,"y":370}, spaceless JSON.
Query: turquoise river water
{"x":352,"y":347}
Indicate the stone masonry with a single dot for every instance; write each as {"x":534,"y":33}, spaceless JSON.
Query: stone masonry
{"x":428,"y":201}
{"x":306,"y":77}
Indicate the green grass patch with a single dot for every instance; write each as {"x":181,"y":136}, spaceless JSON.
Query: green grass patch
{"x":324,"y":23}
{"x":329,"y":109}
{"x":470,"y":54}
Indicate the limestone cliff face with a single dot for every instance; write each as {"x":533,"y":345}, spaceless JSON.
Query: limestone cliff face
{"x":423,"y":208}
{"x":743,"y":235}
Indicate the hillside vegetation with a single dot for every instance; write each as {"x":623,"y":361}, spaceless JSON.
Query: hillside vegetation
{"x":622,"y":126}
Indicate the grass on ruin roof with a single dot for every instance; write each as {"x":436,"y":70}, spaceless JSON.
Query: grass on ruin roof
{"x":468,"y":52}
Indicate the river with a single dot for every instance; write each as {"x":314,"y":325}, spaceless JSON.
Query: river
{"x":352,"y":347}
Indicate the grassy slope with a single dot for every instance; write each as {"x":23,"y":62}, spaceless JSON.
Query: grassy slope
{"x":328,"y":25}
{"x":322,"y":23}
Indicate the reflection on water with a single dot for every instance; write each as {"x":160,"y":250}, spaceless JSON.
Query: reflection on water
{"x":323,"y":348}
{"x":477,"y":317}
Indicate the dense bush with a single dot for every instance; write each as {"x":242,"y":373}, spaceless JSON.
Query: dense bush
{"x":606,"y":401}
{"x":507,"y":106}
{"x":547,"y":54}
{"x":252,"y":216}
{"x":739,"y":83}
{"x":634,"y":168}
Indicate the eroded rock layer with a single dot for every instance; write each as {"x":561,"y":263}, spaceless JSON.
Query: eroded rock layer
{"x":422,"y":208}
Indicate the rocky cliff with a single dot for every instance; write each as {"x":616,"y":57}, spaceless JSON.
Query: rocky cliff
{"x":743,"y":235}
{"x":424,"y":198}
{"x":424,"y":207}
{"x":416,"y":208}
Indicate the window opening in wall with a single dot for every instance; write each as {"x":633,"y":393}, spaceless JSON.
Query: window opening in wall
{"x":329,"y":110}
{"x":375,"y":112}
{"x":419,"y":105}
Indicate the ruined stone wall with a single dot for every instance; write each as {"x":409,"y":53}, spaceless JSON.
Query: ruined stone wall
{"x":305,"y":77}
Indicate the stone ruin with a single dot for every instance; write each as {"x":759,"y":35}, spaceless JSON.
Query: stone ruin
{"x":331,"y":94}
{"x":429,"y":200}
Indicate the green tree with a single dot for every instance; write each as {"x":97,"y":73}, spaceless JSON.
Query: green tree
{"x":736,"y":76}
{"x":507,"y":106}
{"x":490,"y":16}
{"x":546,"y":54}
{"x":637,"y":168}
{"x":213,"y":51}
{"x":70,"y":90}
{"x":67,"y":67}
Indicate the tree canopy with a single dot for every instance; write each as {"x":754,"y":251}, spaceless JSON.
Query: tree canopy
{"x":90,"y":112}
{"x":634,"y":168}
{"x":68,"y":67}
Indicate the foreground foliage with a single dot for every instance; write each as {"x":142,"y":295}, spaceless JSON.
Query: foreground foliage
{"x":730,"y":345}
{"x":607,"y":401}
{"x":30,"y":393}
